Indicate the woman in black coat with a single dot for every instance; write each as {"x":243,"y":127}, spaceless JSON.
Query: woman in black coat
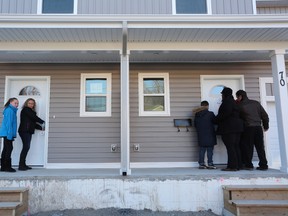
{"x":230,"y":127}
{"x":28,"y":124}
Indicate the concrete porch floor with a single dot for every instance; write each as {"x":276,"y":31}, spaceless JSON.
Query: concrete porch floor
{"x":168,"y":173}
{"x":156,"y":189}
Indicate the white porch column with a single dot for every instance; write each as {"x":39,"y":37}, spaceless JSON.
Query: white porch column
{"x":281,"y":99}
{"x":125,"y":116}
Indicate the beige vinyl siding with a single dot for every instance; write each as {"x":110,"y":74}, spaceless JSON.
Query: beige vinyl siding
{"x":232,"y":6}
{"x":125,"y":7}
{"x":18,"y":6}
{"x":272,"y":10}
{"x":74,"y":139}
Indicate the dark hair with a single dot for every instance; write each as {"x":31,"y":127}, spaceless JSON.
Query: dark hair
{"x":9,"y":101}
{"x":227,"y":91}
{"x":204,"y":103}
{"x":241,"y":93}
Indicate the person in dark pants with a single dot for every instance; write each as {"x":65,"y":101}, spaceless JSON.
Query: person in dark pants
{"x":255,"y":117}
{"x":8,"y":131}
{"x":206,"y":134}
{"x":230,"y":127}
{"x":28,"y":124}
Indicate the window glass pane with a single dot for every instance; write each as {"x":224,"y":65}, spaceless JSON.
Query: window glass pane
{"x":153,"y":86}
{"x":57,"y":6}
{"x":154,"y":103}
{"x":29,"y":90}
{"x":216,"y":91}
{"x":95,"y":104}
{"x":96,"y":86}
{"x":191,"y":7}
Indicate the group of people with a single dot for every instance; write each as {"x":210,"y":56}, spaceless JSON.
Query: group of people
{"x":29,"y":121}
{"x":240,"y":123}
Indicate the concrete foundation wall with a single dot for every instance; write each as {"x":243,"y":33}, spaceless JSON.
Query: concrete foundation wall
{"x":157,"y":194}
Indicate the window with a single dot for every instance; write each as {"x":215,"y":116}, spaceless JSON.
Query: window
{"x":29,"y":90}
{"x":57,"y":6}
{"x":191,"y":6}
{"x":154,"y":94}
{"x":95,"y":95}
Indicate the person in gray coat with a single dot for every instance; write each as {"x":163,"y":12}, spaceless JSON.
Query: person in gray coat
{"x":206,"y":134}
{"x":256,"y":120}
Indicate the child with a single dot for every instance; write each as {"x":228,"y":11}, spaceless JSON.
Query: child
{"x":8,"y":131}
{"x":206,"y":134}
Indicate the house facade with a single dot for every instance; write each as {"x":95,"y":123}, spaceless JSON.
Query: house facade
{"x":110,"y":77}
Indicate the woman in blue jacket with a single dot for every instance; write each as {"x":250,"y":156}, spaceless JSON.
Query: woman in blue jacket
{"x":8,"y":131}
{"x":28,"y":124}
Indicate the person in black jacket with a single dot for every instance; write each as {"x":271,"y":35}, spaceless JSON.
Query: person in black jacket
{"x":230,"y":127}
{"x":28,"y":123}
{"x":206,"y":134}
{"x":255,"y":117}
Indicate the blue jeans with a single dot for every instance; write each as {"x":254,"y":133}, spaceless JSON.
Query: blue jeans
{"x":202,"y":152}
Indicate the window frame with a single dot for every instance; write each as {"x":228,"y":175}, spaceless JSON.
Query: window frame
{"x":40,"y":9}
{"x":208,"y":5}
{"x":166,"y":94}
{"x":84,"y":77}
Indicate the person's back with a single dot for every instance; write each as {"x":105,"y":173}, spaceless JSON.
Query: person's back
{"x":255,"y":117}
{"x":204,"y":125}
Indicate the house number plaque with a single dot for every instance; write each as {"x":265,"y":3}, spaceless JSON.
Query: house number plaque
{"x":282,"y":81}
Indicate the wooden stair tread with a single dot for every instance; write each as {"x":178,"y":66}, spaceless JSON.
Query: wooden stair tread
{"x":13,"y":189}
{"x":9,"y":205}
{"x":255,"y":187}
{"x":266,"y":203}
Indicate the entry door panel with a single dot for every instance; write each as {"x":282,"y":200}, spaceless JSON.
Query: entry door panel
{"x":211,"y":87}
{"x":24,"y":88}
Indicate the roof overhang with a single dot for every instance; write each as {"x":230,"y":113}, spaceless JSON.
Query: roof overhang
{"x":146,"y":38}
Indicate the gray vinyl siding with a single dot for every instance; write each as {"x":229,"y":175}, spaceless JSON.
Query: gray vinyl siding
{"x":158,"y":138}
{"x":232,"y":6}
{"x":74,"y":139}
{"x":272,"y":10}
{"x":18,"y":6}
{"x":125,"y":7}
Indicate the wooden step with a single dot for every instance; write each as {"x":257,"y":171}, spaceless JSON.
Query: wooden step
{"x":13,"y":201}
{"x":255,"y":192}
{"x":11,"y":208}
{"x":259,"y":207}
{"x":250,"y":199}
{"x":13,"y":194}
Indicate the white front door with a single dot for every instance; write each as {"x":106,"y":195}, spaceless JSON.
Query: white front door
{"x":211,"y":87}
{"x":25,"y":87}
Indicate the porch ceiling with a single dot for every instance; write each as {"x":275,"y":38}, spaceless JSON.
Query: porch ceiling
{"x":83,"y":40}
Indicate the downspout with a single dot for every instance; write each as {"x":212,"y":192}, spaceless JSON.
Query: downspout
{"x":125,"y":114}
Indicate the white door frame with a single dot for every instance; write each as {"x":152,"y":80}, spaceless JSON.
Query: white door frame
{"x":264,"y":99}
{"x":47,"y":79}
{"x":219,"y":154}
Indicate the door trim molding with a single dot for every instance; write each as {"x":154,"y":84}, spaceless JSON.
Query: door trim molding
{"x":8,"y":80}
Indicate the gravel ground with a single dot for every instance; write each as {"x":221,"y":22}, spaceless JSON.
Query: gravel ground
{"x":121,"y":212}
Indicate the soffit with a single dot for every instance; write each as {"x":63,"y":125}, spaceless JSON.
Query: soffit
{"x":140,"y":30}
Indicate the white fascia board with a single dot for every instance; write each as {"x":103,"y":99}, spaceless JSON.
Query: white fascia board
{"x":140,"y":21}
{"x":208,"y":46}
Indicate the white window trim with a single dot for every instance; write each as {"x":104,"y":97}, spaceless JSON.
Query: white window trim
{"x":209,"y":9}
{"x":141,"y":76}
{"x":40,"y":3}
{"x":83,"y":113}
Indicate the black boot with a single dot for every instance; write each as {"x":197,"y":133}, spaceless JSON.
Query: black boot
{"x":22,"y":166}
{"x":3,"y":165}
{"x":9,"y":166}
